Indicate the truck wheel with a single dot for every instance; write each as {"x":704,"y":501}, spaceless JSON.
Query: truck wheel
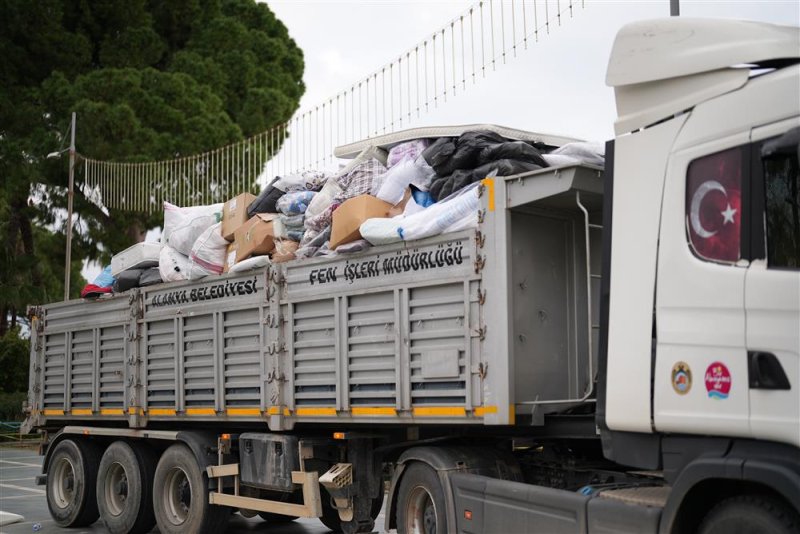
{"x":180,"y":496}
{"x":71,"y":480}
{"x":748,"y":514}
{"x":420,"y":502}
{"x":124,"y":488}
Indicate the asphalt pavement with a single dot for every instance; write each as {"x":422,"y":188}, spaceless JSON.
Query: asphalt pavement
{"x":20,"y":495}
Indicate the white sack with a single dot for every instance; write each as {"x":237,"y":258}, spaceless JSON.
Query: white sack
{"x":172,"y":265}
{"x":208,"y":253}
{"x":456,"y":212}
{"x":182,"y":226}
{"x":250,"y":263}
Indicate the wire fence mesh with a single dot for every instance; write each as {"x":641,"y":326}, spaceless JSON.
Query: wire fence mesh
{"x":450,"y":60}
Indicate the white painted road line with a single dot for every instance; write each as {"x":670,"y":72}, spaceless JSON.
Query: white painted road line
{"x":23,"y":488}
{"x":19,"y":463}
{"x":30,"y":479}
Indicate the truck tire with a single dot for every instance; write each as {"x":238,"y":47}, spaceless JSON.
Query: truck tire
{"x":420,"y":502}
{"x":71,"y":481}
{"x":180,"y":496}
{"x":750,"y":514}
{"x":125,"y":488}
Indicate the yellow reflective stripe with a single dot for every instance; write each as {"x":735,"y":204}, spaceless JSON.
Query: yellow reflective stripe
{"x":439,"y":411}
{"x":512,"y":414}
{"x":276,"y":410}
{"x":200,"y":411}
{"x":161,"y":411}
{"x":480,"y":411}
{"x":112,"y":411}
{"x":135,"y":410}
{"x":82,"y":411}
{"x":243,"y":411}
{"x":373,"y":410}
{"x":316,"y":411}
{"x":50,"y":411}
{"x":489,"y":183}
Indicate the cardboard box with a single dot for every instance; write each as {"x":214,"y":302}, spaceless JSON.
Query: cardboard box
{"x":256,"y":236}
{"x":348,"y":218}
{"x":234,"y":214}
{"x":230,"y":257}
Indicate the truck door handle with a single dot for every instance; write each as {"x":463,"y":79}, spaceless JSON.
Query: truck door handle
{"x":764,"y":371}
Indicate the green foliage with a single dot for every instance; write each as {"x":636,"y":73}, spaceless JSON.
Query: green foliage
{"x":14,"y":362}
{"x":149,"y":81}
{"x":11,"y":406}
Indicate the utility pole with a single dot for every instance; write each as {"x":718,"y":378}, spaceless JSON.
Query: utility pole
{"x":69,"y":207}
{"x":674,"y":8}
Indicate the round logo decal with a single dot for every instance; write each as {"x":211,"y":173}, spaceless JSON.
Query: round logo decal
{"x":681,"y":378}
{"x":718,"y":381}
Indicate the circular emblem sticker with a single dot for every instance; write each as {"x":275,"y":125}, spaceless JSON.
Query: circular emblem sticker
{"x":718,"y":381}
{"x":681,"y":378}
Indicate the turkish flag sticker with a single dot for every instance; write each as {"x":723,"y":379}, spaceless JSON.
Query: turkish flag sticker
{"x":714,"y":205}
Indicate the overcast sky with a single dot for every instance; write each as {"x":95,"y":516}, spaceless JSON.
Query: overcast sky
{"x":556,"y":86}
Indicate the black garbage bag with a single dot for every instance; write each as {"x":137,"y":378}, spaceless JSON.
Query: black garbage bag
{"x":516,"y":150}
{"x":465,"y":154}
{"x":265,"y":202}
{"x":150,"y":277}
{"x":127,"y":279}
{"x":441,"y":187}
{"x":439,"y":152}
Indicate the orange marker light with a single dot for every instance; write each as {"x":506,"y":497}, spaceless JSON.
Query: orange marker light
{"x":338,"y":435}
{"x":226,"y":436}
{"x":468,"y":515}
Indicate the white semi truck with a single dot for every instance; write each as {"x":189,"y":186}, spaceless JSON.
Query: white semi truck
{"x":611,"y":350}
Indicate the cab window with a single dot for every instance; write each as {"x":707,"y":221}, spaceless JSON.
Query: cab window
{"x":781,"y":171}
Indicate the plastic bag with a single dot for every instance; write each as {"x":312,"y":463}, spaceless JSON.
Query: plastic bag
{"x":516,"y":150}
{"x":409,"y":150}
{"x":457,"y":212}
{"x":127,"y":279}
{"x":447,"y":185}
{"x":102,"y":283}
{"x":305,"y":181}
{"x":323,"y":199}
{"x":249,"y":264}
{"x":172,"y":265}
{"x":208,"y":253}
{"x":265,"y":202}
{"x":293,"y":222}
{"x":294,"y":203}
{"x":150,"y":277}
{"x":182,"y":226}
{"x":453,"y":213}
{"x":398,"y":178}
{"x":578,"y":152}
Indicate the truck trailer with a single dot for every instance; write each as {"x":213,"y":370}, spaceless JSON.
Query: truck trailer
{"x":612,"y":349}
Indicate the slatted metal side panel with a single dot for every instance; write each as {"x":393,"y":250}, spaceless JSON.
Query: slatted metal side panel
{"x":81,"y":373}
{"x":198,"y":360}
{"x":313,"y":330}
{"x":242,"y":358}
{"x":55,"y":376}
{"x":436,"y":326}
{"x":160,"y":364}
{"x":112,"y":367}
{"x":371,"y":349}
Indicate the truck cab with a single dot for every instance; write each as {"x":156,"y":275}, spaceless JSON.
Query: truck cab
{"x":702,"y":362}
